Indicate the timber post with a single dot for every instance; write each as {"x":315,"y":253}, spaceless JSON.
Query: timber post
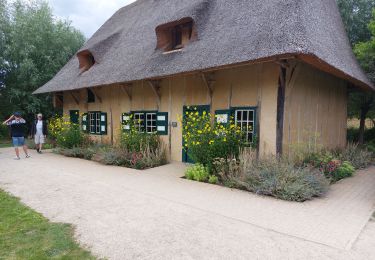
{"x":280,"y":110}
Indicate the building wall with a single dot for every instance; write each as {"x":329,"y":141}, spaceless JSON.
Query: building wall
{"x":315,"y":109}
{"x":253,"y":85}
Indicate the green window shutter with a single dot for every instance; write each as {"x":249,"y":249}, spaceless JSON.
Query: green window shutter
{"x":103,"y":123}
{"x":162,"y":123}
{"x":85,"y":120}
{"x":125,"y":122}
{"x":223,"y":116}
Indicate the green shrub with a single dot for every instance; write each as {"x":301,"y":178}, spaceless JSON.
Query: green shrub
{"x":150,"y":158}
{"x":136,"y":141}
{"x":70,"y":137}
{"x":358,"y":156}
{"x":213,"y":179}
{"x":353,"y":135}
{"x":113,"y":156}
{"x":4,"y":131}
{"x":282,"y":179}
{"x":197,"y":172}
{"x":271,"y":176}
{"x":189,"y":173}
{"x":345,"y":170}
{"x":139,"y":160}
{"x":205,"y":141}
{"x":66,"y":134}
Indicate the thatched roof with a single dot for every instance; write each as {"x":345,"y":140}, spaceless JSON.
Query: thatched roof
{"x":229,"y":32}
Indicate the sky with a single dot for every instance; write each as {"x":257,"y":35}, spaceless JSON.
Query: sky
{"x":86,"y":15}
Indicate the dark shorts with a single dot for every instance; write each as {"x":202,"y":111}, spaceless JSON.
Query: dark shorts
{"x":18,"y":141}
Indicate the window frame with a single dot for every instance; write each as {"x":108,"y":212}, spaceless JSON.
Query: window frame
{"x":253,"y":132}
{"x":97,"y":122}
{"x":143,"y":127}
{"x":154,"y":122}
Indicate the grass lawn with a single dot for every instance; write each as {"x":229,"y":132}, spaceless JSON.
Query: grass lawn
{"x":26,"y":234}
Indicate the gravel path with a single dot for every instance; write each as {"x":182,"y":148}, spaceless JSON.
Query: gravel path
{"x":127,"y":214}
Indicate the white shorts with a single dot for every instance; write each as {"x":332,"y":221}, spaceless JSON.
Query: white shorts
{"x":39,"y":139}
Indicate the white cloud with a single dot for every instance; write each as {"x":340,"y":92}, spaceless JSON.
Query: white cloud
{"x":86,"y":15}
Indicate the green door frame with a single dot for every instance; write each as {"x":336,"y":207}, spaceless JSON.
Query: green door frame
{"x":199,"y":109}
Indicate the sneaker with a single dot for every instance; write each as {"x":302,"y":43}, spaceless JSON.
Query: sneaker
{"x":39,"y":151}
{"x":17,"y":158}
{"x":28,"y":156}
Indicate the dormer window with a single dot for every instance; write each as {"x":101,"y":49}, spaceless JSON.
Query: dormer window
{"x":86,"y":60}
{"x":175,"y":35}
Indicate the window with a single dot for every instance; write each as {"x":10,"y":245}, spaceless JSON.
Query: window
{"x":94,"y":122}
{"x":86,"y":60}
{"x":90,"y":96}
{"x":244,"y":118}
{"x":151,"y":122}
{"x":145,"y":121}
{"x":139,"y":120}
{"x":175,"y":35}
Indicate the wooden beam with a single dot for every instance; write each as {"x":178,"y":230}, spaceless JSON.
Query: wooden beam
{"x":76,"y":99}
{"x":96,"y":94}
{"x":57,"y":100}
{"x":280,"y":111}
{"x":283,"y":63}
{"x":155,"y":86}
{"x":127,"y":89}
{"x":209,"y":83}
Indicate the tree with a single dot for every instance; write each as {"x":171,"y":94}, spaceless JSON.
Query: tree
{"x":34,"y":48}
{"x":356,"y":16}
{"x":365,"y":52}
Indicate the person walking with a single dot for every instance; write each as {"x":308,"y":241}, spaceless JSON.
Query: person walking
{"x":17,"y":125}
{"x":39,"y":132}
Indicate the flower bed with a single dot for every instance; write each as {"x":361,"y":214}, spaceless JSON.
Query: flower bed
{"x":300,"y":177}
{"x":136,"y":150}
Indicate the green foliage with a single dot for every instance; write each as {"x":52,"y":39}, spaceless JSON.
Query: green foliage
{"x":71,"y":137}
{"x":356,"y":15}
{"x":345,"y":170}
{"x":4,"y":131}
{"x":213,"y":179}
{"x":33,"y":48}
{"x":67,"y":134}
{"x":205,"y":141}
{"x":272,"y":176}
{"x":26,"y":234}
{"x":136,"y":141}
{"x":359,"y":156}
{"x":197,"y":172}
{"x":365,"y":51}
